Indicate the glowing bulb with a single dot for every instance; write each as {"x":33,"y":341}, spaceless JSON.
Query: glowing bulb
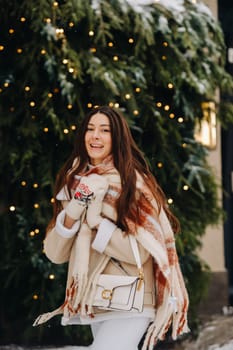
{"x":93,"y":49}
{"x":36,"y":205}
{"x":159,"y":104}
{"x":115,"y":58}
{"x":131,"y":41}
{"x":43,"y":52}
{"x":111,"y":104}
{"x":23,"y":183}
{"x":172,"y":115}
{"x":35,"y":297}
{"x":137,"y":89}
{"x":89,"y":105}
{"x":55,"y":4}
{"x":185,"y":187}
{"x":51,"y":276}
{"x":65,"y":61}
{"x":69,"y":106}
{"x":11,"y":31}
{"x":71,"y":70}
{"x":48,"y":20}
{"x":1,"y":47}
{"x":110,"y":44}
{"x":91,"y":33}
{"x":35,"y":185}
{"x":159,"y":164}
{"x":71,"y":24}
{"x":19,"y":51}
{"x":165,"y":43}
{"x":166,"y":107}
{"x":116,"y":105}
{"x":127,"y":96}
{"x":170,"y":86}
{"x":6,"y":84}
{"x":31,"y":233}
{"x":32,"y":104}
{"x":37,"y":231}
{"x":135,"y":112}
{"x":22,"y":19}
{"x":184,"y":145}
{"x":12,"y":208}
{"x":66,"y":131}
{"x":164,"y":58}
{"x":27,"y":88}
{"x":170,"y":200}
{"x":46,"y":129}
{"x":180,"y":120}
{"x":52,"y":200}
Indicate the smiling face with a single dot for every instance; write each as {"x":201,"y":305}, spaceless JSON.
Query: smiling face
{"x":98,"y":138}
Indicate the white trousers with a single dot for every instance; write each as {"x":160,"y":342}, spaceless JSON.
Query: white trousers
{"x":118,"y":334}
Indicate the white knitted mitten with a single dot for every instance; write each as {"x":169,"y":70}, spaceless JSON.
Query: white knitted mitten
{"x":84,"y":194}
{"x":94,"y":209}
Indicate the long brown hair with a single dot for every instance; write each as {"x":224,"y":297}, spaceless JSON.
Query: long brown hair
{"x":128,"y":160}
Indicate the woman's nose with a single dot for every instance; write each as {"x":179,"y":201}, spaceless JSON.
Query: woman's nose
{"x":96,"y":134}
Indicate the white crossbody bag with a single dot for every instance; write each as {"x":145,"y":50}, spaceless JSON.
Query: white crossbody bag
{"x":121,"y":292}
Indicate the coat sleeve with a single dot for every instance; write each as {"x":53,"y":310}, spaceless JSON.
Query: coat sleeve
{"x":59,"y":240}
{"x":112,"y":241}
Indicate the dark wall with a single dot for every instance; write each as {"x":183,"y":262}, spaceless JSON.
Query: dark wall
{"x":226,"y":19}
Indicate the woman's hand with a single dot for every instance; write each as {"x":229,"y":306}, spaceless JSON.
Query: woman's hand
{"x":93,"y":215}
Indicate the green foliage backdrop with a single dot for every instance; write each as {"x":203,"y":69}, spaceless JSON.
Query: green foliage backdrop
{"x":155,"y":60}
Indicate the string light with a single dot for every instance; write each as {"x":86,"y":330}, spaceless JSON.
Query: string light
{"x":65,"y":61}
{"x":180,"y":120}
{"x":110,"y":44}
{"x":23,"y":183}
{"x":31,"y":233}
{"x":185,"y":187}
{"x":91,"y":33}
{"x":71,"y":24}
{"x":164,"y":58}
{"x":50,"y":95}
{"x":116,"y":105}
{"x":55,"y":4}
{"x":170,"y":86}
{"x":37,"y":231}
{"x":51,"y":276}
{"x":171,"y":115}
{"x":165,"y":44}
{"x":48,"y":20}
{"x":159,"y":104}
{"x":43,"y":52}
{"x":184,"y":145}
{"x":52,"y":200}
{"x":35,"y":297}
{"x":32,"y":104}
{"x":27,"y":88}
{"x":115,"y":58}
{"x":19,"y":51}
{"x":66,"y":131}
{"x":166,"y":107}
{"x":170,"y":200}
{"x":46,"y":129}
{"x":73,"y":127}
{"x":135,"y":112}
{"x":131,"y":41}
{"x":11,"y":31}
{"x":35,"y":185}
{"x":159,"y":164}
{"x":93,"y":49}
{"x":12,"y":208}
{"x":89,"y":105}
{"x":36,"y":206}
{"x":127,"y":96}
{"x":69,"y":106}
{"x":22,"y":19}
{"x":138,"y":89}
{"x":1,"y":47}
{"x":6,"y":84}
{"x":111,"y":104}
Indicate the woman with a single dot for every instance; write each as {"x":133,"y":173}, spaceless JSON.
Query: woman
{"x":104,"y":193}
